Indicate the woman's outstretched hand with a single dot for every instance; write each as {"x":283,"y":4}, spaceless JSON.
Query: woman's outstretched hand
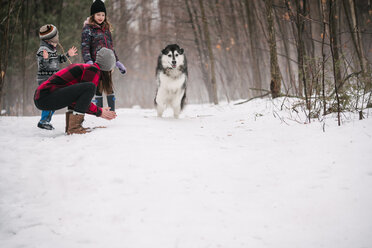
{"x":107,"y":114}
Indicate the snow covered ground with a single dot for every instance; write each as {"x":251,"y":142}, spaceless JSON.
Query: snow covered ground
{"x":225,"y":176}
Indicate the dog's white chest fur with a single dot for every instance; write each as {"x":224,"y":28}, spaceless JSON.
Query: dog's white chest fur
{"x":173,"y":82}
{"x":171,"y":89}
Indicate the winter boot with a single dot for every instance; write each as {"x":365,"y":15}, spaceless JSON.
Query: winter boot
{"x":45,"y":125}
{"x":74,"y":124}
{"x":68,"y":114}
{"x":111,"y":101}
{"x":99,"y":101}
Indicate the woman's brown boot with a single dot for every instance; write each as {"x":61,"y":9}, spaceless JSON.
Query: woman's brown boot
{"x":68,"y":114}
{"x":74,"y":124}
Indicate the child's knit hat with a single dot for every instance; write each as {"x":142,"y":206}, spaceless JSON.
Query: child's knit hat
{"x":49,"y":32}
{"x":97,"y":6}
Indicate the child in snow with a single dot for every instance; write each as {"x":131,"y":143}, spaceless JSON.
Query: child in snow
{"x":48,"y":62}
{"x":96,"y":34}
{"x":74,"y":87}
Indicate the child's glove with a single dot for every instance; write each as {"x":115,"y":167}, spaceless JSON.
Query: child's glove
{"x":121,"y":67}
{"x":90,"y":62}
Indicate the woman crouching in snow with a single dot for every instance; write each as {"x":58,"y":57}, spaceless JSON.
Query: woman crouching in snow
{"x":74,"y":87}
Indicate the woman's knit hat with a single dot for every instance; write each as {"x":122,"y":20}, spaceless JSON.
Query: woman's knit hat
{"x":105,"y":59}
{"x":97,"y":6}
{"x":49,"y":32}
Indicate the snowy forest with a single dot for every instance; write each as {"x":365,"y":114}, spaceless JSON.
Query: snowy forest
{"x":272,"y":149}
{"x":320,"y":51}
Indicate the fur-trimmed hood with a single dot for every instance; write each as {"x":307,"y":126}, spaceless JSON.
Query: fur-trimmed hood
{"x":88,"y":22}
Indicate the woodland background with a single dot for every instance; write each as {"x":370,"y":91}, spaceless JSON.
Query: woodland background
{"x":317,"y":50}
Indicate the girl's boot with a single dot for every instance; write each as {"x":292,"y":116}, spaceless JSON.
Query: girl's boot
{"x":111,"y":101}
{"x":99,"y":101}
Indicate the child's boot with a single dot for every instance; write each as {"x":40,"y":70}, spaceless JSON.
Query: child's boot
{"x":44,"y":123}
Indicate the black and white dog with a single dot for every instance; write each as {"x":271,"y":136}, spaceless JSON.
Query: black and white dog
{"x":171,"y":77}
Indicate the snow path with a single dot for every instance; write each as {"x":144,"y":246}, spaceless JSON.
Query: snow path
{"x":220,"y":176}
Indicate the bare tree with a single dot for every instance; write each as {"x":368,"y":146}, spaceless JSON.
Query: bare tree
{"x":274,"y":67}
{"x":7,"y":35}
{"x":213,"y":95}
{"x":335,"y":53}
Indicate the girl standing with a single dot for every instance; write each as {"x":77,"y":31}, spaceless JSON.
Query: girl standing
{"x":97,"y":34}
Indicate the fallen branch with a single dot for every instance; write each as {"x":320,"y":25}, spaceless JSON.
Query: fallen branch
{"x":245,"y":101}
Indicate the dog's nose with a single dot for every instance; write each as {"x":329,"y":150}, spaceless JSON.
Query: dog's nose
{"x":174,"y":62}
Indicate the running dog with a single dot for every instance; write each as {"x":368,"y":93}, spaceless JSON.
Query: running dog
{"x":171,"y":77}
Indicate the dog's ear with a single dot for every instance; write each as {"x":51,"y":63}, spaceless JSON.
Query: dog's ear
{"x":181,"y":51}
{"x":164,"y":51}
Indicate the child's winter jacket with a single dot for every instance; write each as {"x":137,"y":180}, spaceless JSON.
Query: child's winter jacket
{"x":47,"y":67}
{"x":93,"y":38}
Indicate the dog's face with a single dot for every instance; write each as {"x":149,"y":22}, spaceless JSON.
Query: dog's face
{"x":172,"y":56}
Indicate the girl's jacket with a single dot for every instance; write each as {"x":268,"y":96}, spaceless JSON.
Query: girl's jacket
{"x":93,"y":38}
{"x":73,"y":74}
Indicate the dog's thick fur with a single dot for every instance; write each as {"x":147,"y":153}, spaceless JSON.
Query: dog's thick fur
{"x":171,"y":77}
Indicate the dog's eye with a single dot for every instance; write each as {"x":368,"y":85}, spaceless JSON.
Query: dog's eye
{"x":169,"y":55}
{"x":176,"y":55}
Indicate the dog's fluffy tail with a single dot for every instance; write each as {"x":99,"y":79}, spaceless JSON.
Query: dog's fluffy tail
{"x":155,"y":103}
{"x":183,"y":100}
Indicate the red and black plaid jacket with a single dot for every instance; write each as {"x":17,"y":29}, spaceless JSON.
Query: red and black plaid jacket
{"x":73,"y":74}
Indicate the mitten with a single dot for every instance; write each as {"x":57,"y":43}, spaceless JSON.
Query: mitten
{"x":121,"y":67}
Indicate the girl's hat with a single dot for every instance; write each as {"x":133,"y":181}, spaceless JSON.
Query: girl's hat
{"x":49,"y":32}
{"x":97,"y":6}
{"x":105,"y":59}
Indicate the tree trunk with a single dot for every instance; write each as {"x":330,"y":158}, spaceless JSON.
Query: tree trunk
{"x":25,"y":38}
{"x":335,"y":54}
{"x":4,"y":52}
{"x":199,"y":48}
{"x":284,"y":38}
{"x":210,"y":52}
{"x":274,"y":67}
{"x":251,"y":30}
{"x":323,"y":14}
{"x":356,"y":38}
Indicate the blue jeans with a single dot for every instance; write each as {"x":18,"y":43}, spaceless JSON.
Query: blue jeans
{"x":46,"y":115}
